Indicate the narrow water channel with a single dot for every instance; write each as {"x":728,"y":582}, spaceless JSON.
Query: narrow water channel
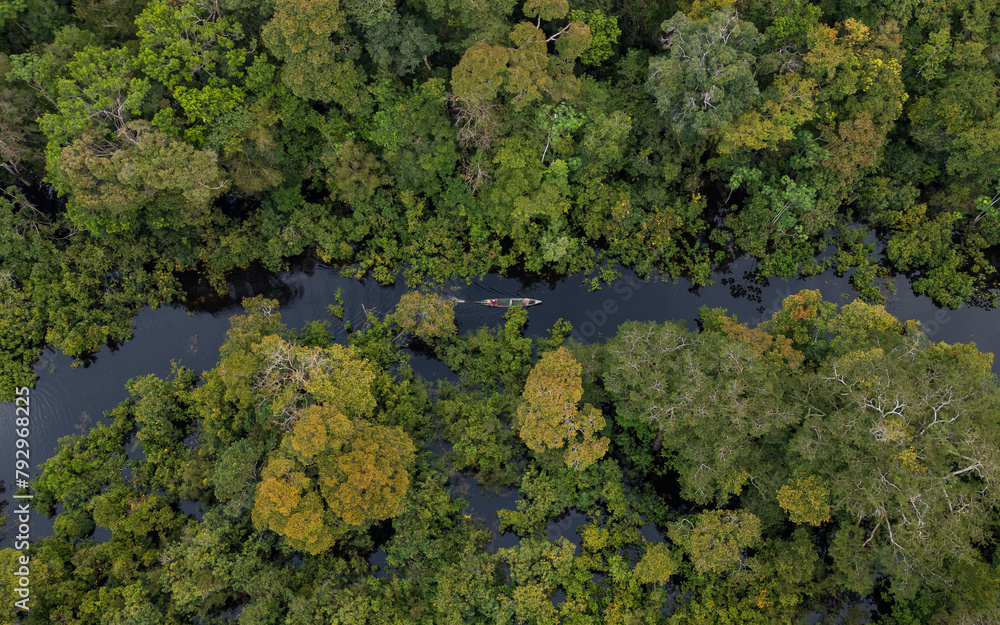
{"x":70,"y":400}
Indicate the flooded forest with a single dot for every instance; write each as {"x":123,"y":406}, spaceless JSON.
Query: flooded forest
{"x":553,"y":312}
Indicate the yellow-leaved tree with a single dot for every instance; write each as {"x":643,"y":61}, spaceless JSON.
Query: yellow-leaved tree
{"x":427,"y":316}
{"x":806,"y":499}
{"x":548,"y":417}
{"x":657,"y":565}
{"x":287,"y":504}
{"x":369,"y":479}
{"x":716,"y":540}
{"x":331,"y":474}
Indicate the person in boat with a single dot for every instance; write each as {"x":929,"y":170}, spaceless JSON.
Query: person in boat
{"x":491,"y":302}
{"x":527,"y":302}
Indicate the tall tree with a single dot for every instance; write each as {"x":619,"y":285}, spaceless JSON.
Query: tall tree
{"x":426,"y":316}
{"x":717,"y":541}
{"x":695,"y":401}
{"x":549,"y":418}
{"x":705,"y":80}
{"x":150,"y":180}
{"x":314,"y":66}
{"x":900,"y":437}
{"x":332,"y":473}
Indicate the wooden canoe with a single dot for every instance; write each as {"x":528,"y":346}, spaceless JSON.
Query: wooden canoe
{"x":508,"y":302}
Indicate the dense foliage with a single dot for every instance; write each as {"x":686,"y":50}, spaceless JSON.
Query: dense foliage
{"x":450,"y":138}
{"x":797,"y":467}
{"x":789,"y":470}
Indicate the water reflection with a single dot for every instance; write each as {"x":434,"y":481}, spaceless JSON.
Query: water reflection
{"x":70,"y":400}
{"x":483,"y":506}
{"x":431,"y":369}
{"x":192,"y":509}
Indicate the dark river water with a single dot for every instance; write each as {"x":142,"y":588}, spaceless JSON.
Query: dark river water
{"x":69,"y":400}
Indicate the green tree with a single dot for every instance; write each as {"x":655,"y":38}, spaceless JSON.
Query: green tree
{"x":96,"y":89}
{"x":695,"y":401}
{"x":861,"y":92}
{"x":162,"y":421}
{"x":805,"y":319}
{"x":776,"y":224}
{"x":354,"y":172}
{"x":705,"y":80}
{"x":657,"y":565}
{"x":418,"y":143}
{"x":788,"y":103}
{"x":292,"y":377}
{"x":537,"y":569}
{"x":604,"y":33}
{"x":898,"y":435}
{"x":400,"y":43}
{"x":83,"y":466}
{"x":196,"y":55}
{"x":299,"y":34}
{"x":235,"y":474}
{"x":198,"y":567}
{"x":475,"y":82}
{"x":151,"y":180}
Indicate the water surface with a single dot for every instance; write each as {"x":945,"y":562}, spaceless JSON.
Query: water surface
{"x":70,"y":400}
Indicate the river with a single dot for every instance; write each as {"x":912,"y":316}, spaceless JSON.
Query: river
{"x":69,"y":400}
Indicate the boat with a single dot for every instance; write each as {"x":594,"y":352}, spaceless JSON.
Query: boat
{"x":508,"y":302}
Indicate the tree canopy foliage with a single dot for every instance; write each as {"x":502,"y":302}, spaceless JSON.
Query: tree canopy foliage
{"x":449,"y":139}
{"x":763,"y":472}
{"x":824,"y":452}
